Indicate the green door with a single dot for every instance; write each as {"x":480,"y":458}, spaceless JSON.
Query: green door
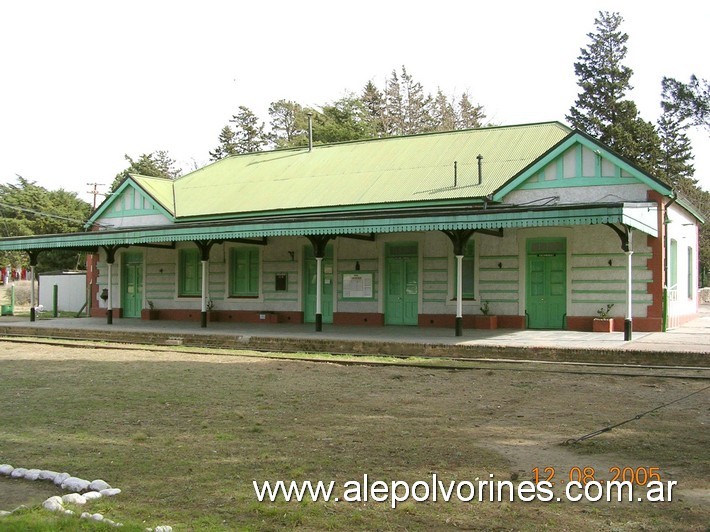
{"x":132,"y":283}
{"x":402,"y":284}
{"x":546,"y":283}
{"x":309,"y":283}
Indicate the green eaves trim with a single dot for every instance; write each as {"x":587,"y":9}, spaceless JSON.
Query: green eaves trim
{"x":577,"y":137}
{"x":581,"y":215}
{"x":691,"y":209}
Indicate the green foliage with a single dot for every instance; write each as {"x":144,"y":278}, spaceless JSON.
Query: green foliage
{"x":689,"y":101}
{"x":227,"y":144}
{"x":343,"y":120}
{"x":603,"y":312}
{"x":155,"y":164}
{"x":246,"y":136}
{"x":289,"y":124}
{"x":601,"y":108}
{"x":402,"y":108}
{"x":29,"y":209}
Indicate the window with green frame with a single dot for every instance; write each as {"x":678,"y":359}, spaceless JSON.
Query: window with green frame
{"x":244,"y":272}
{"x":189,"y":273}
{"x":468,"y":271}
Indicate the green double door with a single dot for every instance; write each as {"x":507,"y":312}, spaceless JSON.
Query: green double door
{"x":309,"y":283}
{"x":546,"y":294}
{"x":132,"y":285}
{"x":402,"y":284}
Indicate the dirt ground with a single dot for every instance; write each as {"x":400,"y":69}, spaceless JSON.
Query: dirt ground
{"x":500,"y":419}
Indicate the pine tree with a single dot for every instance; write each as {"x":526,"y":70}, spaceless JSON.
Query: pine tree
{"x":690,"y":101}
{"x":288,"y":123}
{"x":227,"y":145}
{"x":601,"y":108}
{"x":374,"y":102}
{"x":249,"y":135}
{"x":469,"y":116}
{"x":418,"y":116}
{"x":394,"y":119}
{"x":675,"y":163}
{"x":443,"y":113}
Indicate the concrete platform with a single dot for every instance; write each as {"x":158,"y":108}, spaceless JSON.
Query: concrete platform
{"x":688,"y":345}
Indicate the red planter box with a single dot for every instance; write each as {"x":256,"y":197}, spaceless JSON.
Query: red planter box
{"x":486,"y":322}
{"x":603,"y":325}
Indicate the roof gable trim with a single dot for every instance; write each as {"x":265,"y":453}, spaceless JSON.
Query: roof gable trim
{"x":129,"y":185}
{"x":625,"y":170}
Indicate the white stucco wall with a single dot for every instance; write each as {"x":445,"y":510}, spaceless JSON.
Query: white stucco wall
{"x":592,"y":194}
{"x":682,"y":228}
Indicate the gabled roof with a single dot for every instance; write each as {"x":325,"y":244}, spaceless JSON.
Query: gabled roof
{"x":363,"y":174}
{"x":434,"y":169}
{"x":610,"y":169}
{"x":156,"y":195}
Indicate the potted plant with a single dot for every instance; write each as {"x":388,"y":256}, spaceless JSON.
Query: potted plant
{"x":604,"y":323}
{"x":151,"y":313}
{"x":486,"y":320}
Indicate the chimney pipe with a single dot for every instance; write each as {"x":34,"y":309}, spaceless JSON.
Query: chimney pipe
{"x":455,"y":174}
{"x":480,"y":171}
{"x":310,"y":131}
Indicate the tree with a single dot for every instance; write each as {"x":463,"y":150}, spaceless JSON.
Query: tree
{"x":675,"y":165}
{"x":28,"y":209}
{"x":601,"y":108}
{"x":227,"y":144}
{"x":443,"y":113}
{"x":685,"y":106}
{"x":289,"y":124}
{"x":689,"y":101}
{"x":468,"y":115}
{"x":374,"y":102}
{"x":155,"y":164}
{"x":407,"y":108}
{"x":343,"y":120}
{"x":249,"y":134}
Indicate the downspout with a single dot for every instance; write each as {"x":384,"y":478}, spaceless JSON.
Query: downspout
{"x":664,"y":248}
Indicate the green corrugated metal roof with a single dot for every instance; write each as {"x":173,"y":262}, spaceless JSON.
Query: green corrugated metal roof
{"x":159,"y":188}
{"x":392,"y":170}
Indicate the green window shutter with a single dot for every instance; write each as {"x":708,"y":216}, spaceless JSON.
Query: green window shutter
{"x":245,"y":272}
{"x":468,"y":271}
{"x":189,"y":273}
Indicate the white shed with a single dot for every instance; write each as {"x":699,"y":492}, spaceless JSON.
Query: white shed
{"x":71,"y":290}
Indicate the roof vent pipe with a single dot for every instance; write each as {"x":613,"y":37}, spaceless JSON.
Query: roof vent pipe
{"x":310,"y":131}
{"x":480,"y":171}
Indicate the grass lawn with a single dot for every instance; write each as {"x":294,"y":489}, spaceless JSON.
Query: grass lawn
{"x":184,"y":435}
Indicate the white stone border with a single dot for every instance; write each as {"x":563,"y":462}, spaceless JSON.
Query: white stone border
{"x":83,"y":491}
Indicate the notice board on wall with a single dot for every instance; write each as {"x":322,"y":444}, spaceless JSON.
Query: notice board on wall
{"x":358,"y":285}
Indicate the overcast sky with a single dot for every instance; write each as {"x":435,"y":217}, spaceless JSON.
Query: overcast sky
{"x":85,"y":82}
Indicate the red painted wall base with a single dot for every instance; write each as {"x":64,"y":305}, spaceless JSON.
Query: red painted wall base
{"x":586,"y":323}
